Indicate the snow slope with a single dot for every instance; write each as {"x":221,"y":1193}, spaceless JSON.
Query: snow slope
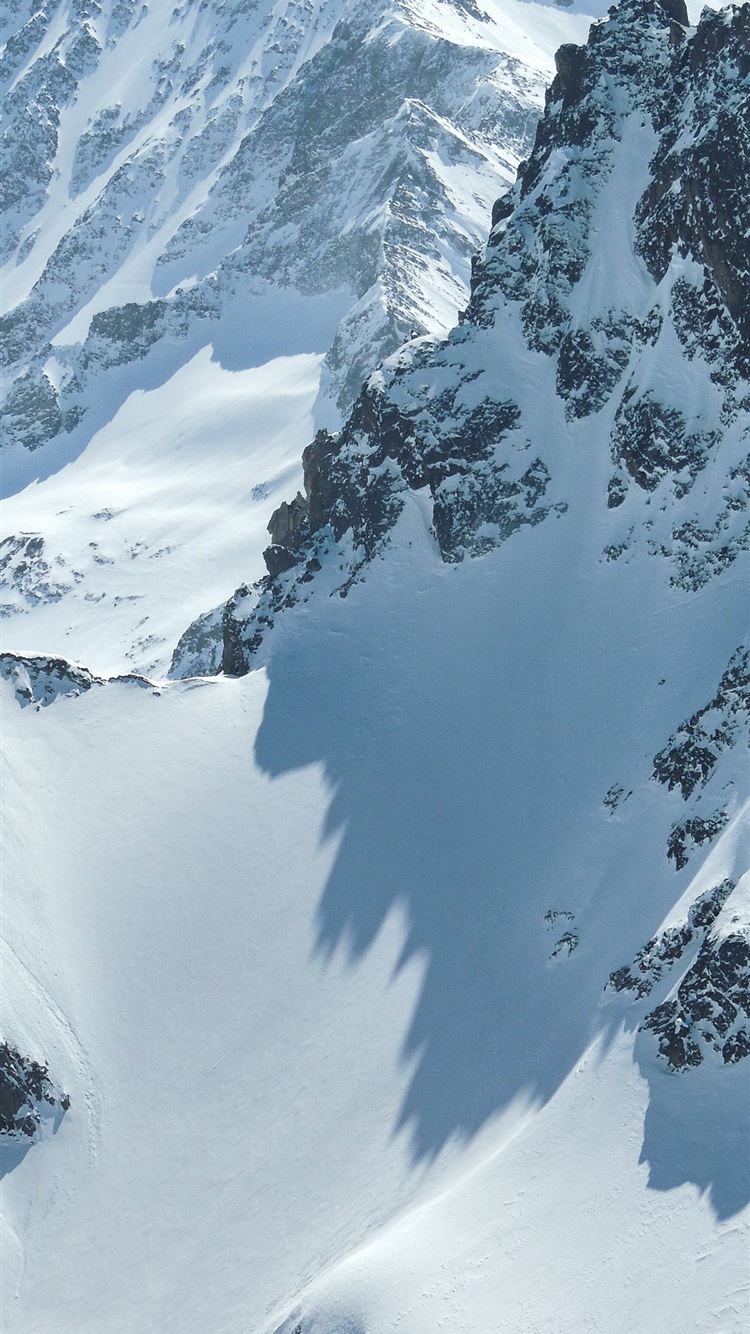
{"x":283,"y":940}
{"x":401,"y":982}
{"x":168,"y":503}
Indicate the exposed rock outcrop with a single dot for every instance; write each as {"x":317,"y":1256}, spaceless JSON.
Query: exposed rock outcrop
{"x":27,"y":1093}
{"x":692,"y":752}
{"x":707,"y":1013}
{"x":41,"y":681}
{"x":693,"y":755}
{"x":660,"y":954}
{"x":711,"y":1009}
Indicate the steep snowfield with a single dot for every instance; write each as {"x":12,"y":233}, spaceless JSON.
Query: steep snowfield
{"x":283,"y":940}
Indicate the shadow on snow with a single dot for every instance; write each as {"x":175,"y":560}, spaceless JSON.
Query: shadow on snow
{"x":467,"y":787}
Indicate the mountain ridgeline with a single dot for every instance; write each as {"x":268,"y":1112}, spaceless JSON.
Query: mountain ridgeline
{"x":619,"y":268}
{"x":303,"y":144}
{"x":248,"y":201}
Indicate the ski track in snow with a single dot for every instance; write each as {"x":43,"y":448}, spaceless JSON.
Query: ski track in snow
{"x":41,"y":1002}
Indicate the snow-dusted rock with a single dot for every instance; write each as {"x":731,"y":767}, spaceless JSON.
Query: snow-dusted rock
{"x":693,"y":751}
{"x":42,"y":681}
{"x":661,"y":952}
{"x":711,"y":1008}
{"x":698,"y":760}
{"x":707,"y":1011}
{"x":27,"y":1094}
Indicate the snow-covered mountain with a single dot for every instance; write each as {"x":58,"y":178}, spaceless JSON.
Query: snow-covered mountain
{"x":397,"y":975}
{"x":610,"y":305}
{"x":219,"y":218}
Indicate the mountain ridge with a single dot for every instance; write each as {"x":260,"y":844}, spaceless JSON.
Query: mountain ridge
{"x":224,"y":189}
{"x":651,"y":440}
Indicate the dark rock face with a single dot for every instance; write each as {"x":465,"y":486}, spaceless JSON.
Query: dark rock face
{"x":692,"y":752}
{"x":41,"y":680}
{"x":565,"y":946}
{"x":695,"y":202}
{"x":616,"y":492}
{"x":700,"y":552}
{"x":286,"y":526}
{"x":199,"y":649}
{"x":690,"y":834}
{"x":568,"y":942}
{"x":570,"y":64}
{"x":711,"y":1009}
{"x":31,"y":118}
{"x":591,"y":362}
{"x":659,"y":954}
{"x":677,"y":9}
{"x":650,"y":441}
{"x":32,"y":412}
{"x":25,"y":1090}
{"x":286,"y":522}
{"x":693,"y":755}
{"x":278,"y":558}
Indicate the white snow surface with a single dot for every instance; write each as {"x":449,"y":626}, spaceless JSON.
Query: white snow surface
{"x":283,"y":939}
{"x":164,"y":510}
{"x":287,"y":940}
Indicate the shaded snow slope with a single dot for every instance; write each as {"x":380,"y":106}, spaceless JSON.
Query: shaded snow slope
{"x":290,"y":943}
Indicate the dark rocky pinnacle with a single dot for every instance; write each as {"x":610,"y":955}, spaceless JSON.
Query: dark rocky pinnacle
{"x":677,"y":10}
